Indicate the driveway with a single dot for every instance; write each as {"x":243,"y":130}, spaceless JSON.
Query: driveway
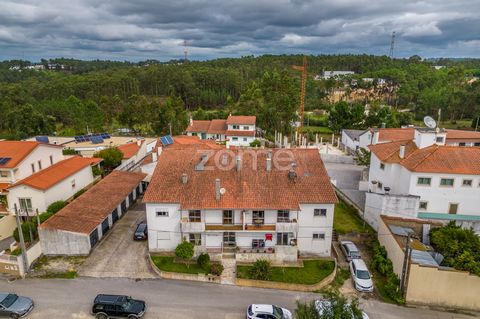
{"x":348,"y":176}
{"x":118,"y":255}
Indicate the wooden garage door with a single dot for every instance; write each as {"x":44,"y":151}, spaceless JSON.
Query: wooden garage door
{"x":105,"y":226}
{"x":93,"y":238}
{"x":115,"y":215}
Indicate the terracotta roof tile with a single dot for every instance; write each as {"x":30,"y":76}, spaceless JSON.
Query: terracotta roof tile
{"x":396,"y":134}
{"x":248,"y":189}
{"x":463,"y":135}
{"x":17,"y":151}
{"x":3,"y":187}
{"x":389,"y":152}
{"x":241,"y":120}
{"x":86,"y":212}
{"x":56,"y":173}
{"x":217,"y":127}
{"x":130,"y":149}
{"x":198,"y":126}
{"x":240,"y":133}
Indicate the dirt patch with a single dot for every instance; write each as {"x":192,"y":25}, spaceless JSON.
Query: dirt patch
{"x":61,"y":266}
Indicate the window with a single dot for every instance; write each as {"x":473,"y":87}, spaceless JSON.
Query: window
{"x":318,"y":236}
{"x":258,"y":217}
{"x":39,"y":165}
{"x":73,"y":183}
{"x":439,"y":139}
{"x":228,"y":217}
{"x":25,"y":204}
{"x":244,"y":139}
{"x":162,"y":214}
{"x":382,"y":166}
{"x":453,"y":208}
{"x":423,"y":205}
{"x":236,"y":127}
{"x":320,"y":212}
{"x":462,"y":144}
{"x":282,"y":239}
{"x":195,"y":239}
{"x":476,"y":144}
{"x":51,"y":160}
{"x":283,"y":216}
{"x":194,"y":216}
{"x":3,"y":174}
{"x":258,"y":243}
{"x":380,"y":186}
{"x":424,"y":181}
{"x":246,"y":128}
{"x":234,"y":138}
{"x":446,"y":182}
{"x":194,"y":134}
{"x":467,"y":183}
{"x":33,"y":167}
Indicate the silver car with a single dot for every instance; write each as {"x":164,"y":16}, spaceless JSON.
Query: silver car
{"x":350,"y":250}
{"x":14,"y":306}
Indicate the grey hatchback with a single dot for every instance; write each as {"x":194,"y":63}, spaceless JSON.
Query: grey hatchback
{"x":13,"y":306}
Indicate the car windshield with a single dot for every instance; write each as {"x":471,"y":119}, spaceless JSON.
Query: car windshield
{"x":127,"y":305}
{"x":9,"y":300}
{"x":363,"y":274}
{"x":277,"y":312}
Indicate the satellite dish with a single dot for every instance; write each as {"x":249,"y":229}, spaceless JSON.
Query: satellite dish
{"x":429,"y":122}
{"x":223,"y":191}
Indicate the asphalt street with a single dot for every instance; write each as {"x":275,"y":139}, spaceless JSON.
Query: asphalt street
{"x":72,"y":298}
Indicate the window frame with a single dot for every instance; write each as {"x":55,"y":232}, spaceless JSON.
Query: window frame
{"x":467,"y":180}
{"x":4,"y":174}
{"x":195,"y":216}
{"x":439,"y":139}
{"x":424,"y":184}
{"x":25,"y":200}
{"x":195,"y":239}
{"x":420,"y":205}
{"x":283,"y":216}
{"x":51,"y":159}
{"x":39,"y":165}
{"x":33,"y":168}
{"x":281,"y":241}
{"x":318,"y":236}
{"x":382,"y":166}
{"x":228,"y":218}
{"x":161,"y":213}
{"x":260,"y":216}
{"x":447,"y":179}
{"x":450,"y":208}
{"x":320,"y":212}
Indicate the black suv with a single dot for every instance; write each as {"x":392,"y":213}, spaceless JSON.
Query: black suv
{"x":113,"y":306}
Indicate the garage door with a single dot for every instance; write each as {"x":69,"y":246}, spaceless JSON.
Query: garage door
{"x":93,"y":238}
{"x":105,"y":226}
{"x":124,"y":207}
{"x":138,"y":190}
{"x":115,"y":215}
{"x":130,"y":198}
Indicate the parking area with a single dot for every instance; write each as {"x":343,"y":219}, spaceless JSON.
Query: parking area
{"x":118,"y":255}
{"x":348,"y":177}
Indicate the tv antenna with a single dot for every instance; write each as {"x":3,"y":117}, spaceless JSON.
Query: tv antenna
{"x":429,"y":122}
{"x":392,"y":45}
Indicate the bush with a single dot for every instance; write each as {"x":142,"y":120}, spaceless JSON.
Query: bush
{"x":384,"y":266}
{"x":203,"y":261}
{"x":112,"y":157}
{"x":54,"y":207}
{"x":79,"y":193}
{"x":255,"y":143}
{"x":26,"y":232}
{"x":16,"y":252}
{"x":97,"y":171}
{"x":216,"y":269}
{"x":261,"y":270}
{"x":184,"y":250}
{"x":392,"y":288}
{"x":69,"y":151}
{"x":44,"y":216}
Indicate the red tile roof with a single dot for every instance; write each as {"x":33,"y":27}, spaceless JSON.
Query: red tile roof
{"x":3,"y":187}
{"x":471,"y":136}
{"x":182,"y":141}
{"x":240,"y":133}
{"x":241,"y":120}
{"x":217,"y":127}
{"x":88,"y":211}
{"x":56,"y":173}
{"x":248,"y":189}
{"x":130,"y":149}
{"x":198,"y":126}
{"x":18,"y":151}
{"x":432,"y":159}
{"x":396,"y":134}
{"x":210,"y":127}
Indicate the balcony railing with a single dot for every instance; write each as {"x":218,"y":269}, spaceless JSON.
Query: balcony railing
{"x":287,"y":227}
{"x":260,"y":227}
{"x":192,"y":227}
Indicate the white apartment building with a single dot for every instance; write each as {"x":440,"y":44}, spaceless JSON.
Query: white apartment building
{"x":253,"y":204}
{"x":424,"y":178}
{"x":235,"y":130}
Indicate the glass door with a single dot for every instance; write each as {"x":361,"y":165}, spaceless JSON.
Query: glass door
{"x":228,"y":217}
{"x":229,"y":239}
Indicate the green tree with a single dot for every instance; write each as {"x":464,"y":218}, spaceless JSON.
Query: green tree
{"x":111,"y":156}
{"x":261,"y":270}
{"x":185,"y":251}
{"x":26,"y":121}
{"x":331,"y":307}
{"x":362,"y":157}
{"x":54,"y":207}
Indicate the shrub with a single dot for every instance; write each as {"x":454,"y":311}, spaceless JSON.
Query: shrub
{"x":26,"y":232}
{"x":216,"y":269}
{"x":261,"y":270}
{"x":69,"y":151}
{"x":97,"y":171}
{"x":184,"y":250}
{"x":16,"y":252}
{"x":44,"y":216}
{"x":112,"y":157}
{"x":255,"y":143}
{"x":392,"y":288}
{"x":54,"y":207}
{"x":79,"y":193}
{"x":204,"y":261}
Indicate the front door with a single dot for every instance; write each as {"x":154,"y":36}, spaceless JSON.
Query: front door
{"x":229,"y":239}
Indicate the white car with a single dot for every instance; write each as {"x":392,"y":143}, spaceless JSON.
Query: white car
{"x":362,"y":280}
{"x":268,"y":312}
{"x":350,"y":250}
{"x":322,"y":304}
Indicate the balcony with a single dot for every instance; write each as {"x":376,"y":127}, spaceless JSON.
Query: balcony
{"x":192,"y":227}
{"x":224,"y":227}
{"x":287,"y":226}
{"x":260,"y":227}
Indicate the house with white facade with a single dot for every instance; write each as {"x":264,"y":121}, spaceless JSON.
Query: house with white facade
{"x":59,"y":181}
{"x":235,"y":130}
{"x":255,"y":204}
{"x":133,"y":153}
{"x":333,"y":74}
{"x":20,"y":159}
{"x":424,"y":178}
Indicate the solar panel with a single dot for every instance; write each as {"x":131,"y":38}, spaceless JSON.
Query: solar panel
{"x":4,"y":160}
{"x":105,"y":135}
{"x":78,"y":139}
{"x":166,"y":140}
{"x":169,"y":139}
{"x":42,"y":139}
{"x":96,"y":139}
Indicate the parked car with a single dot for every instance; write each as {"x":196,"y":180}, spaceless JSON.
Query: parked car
{"x":350,"y":250}
{"x":114,"y":306}
{"x":268,"y":312}
{"x":13,"y":306}
{"x":141,"y":233}
{"x":362,"y":280}
{"x":321,"y":305}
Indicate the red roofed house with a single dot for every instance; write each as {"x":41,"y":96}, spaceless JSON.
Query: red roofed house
{"x":424,"y":178}
{"x":133,"y":153}
{"x":59,"y":181}
{"x":253,"y":203}
{"x":236,"y":130}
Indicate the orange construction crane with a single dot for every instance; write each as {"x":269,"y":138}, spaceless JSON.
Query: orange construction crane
{"x":303,"y":88}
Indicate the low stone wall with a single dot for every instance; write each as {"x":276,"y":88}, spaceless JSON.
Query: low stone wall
{"x":288,"y":286}
{"x":182,"y":276}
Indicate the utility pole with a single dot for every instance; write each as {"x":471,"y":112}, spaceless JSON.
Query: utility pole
{"x":392,"y":45}
{"x":403,"y":283}
{"x":22,"y":241}
{"x":170,"y":128}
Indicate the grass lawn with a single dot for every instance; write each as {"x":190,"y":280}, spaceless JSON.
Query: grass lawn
{"x":317,"y":130}
{"x":312,"y":272}
{"x":166,"y":263}
{"x":460,"y":124}
{"x":346,"y":220}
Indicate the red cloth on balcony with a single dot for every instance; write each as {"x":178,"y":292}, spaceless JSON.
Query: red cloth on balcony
{"x":268,"y":236}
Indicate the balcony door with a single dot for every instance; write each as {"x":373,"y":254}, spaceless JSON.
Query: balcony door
{"x":228,"y":217}
{"x":229,"y":239}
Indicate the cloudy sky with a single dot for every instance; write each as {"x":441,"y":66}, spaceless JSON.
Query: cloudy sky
{"x":144,"y":29}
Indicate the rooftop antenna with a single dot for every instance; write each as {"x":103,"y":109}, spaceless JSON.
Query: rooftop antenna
{"x":430,"y":122}
{"x":185,"y":50}
{"x":392,"y":45}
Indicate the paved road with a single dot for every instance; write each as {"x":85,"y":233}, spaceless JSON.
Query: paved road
{"x":348,"y":176}
{"x":57,"y":298}
{"x":118,"y":255}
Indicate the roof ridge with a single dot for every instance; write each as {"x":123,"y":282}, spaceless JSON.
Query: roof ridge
{"x":423,"y":160}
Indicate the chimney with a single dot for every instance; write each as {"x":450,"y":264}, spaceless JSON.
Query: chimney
{"x":239,"y":163}
{"x":224,"y":160}
{"x":292,"y":174}
{"x":139,"y":142}
{"x":269,"y":161}
{"x":154,"y":157}
{"x":376,"y":136}
{"x":184,"y":178}
{"x":401,"y":153}
{"x":217,"y":189}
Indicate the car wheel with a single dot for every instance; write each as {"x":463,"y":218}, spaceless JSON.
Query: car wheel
{"x":14,"y":316}
{"x":101,"y":316}
{"x":132,"y":317}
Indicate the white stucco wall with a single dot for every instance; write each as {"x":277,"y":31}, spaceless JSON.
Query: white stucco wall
{"x":241,"y":140}
{"x":163,"y":232}
{"x":309,"y":224}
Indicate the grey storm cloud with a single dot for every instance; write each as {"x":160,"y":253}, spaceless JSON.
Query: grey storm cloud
{"x":143,"y":29}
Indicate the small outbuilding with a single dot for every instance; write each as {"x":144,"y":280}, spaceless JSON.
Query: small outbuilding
{"x":78,"y":227}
